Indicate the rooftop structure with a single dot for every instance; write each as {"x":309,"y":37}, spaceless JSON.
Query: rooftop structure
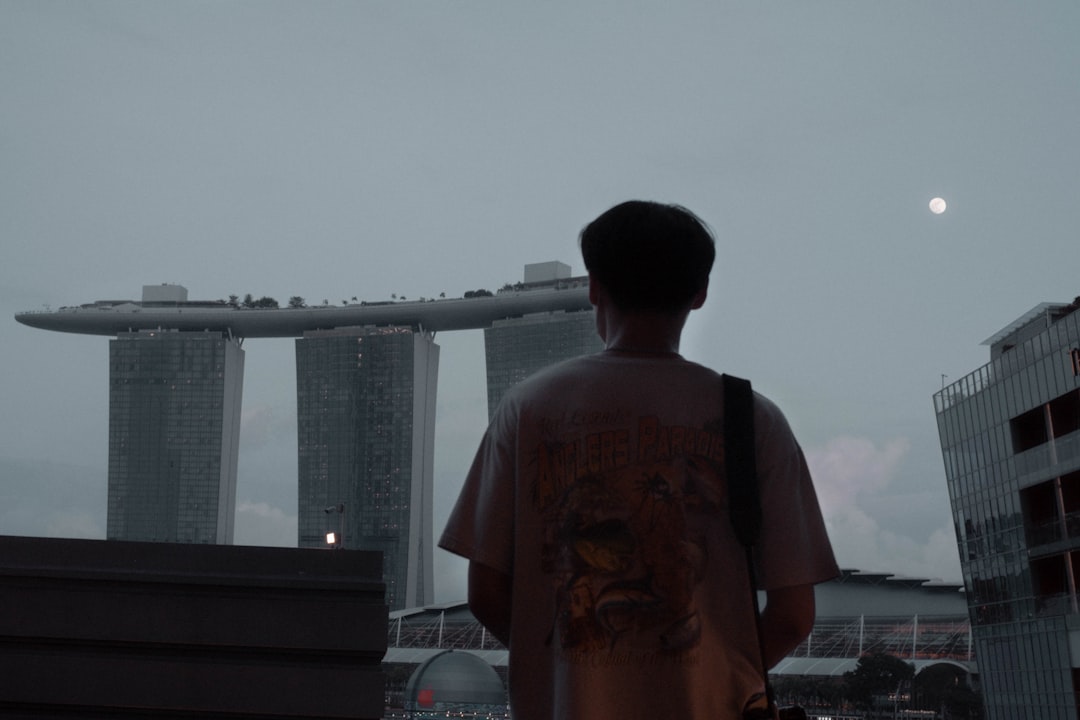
{"x":96,"y":629}
{"x":111,"y":317}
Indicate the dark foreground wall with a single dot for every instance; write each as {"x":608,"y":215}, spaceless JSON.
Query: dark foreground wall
{"x":95,"y":629}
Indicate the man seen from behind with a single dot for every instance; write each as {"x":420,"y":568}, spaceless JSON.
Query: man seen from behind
{"x":595,"y":514}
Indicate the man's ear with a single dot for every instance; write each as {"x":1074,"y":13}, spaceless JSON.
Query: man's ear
{"x":594,"y":290}
{"x":699,"y":298}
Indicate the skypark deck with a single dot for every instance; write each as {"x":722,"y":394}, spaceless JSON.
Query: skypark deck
{"x":431,"y":315}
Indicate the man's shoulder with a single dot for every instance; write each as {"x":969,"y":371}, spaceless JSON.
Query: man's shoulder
{"x":562,"y":371}
{"x":581,"y":373}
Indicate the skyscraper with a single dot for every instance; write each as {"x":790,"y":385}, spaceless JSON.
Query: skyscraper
{"x":174,"y":429}
{"x":1010,"y":439}
{"x":366,"y":438}
{"x":516,"y":347}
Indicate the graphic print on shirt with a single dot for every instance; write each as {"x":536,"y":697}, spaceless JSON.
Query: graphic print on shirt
{"x":626,"y":516}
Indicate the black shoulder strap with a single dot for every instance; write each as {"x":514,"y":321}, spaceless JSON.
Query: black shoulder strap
{"x":744,"y":500}
{"x":740,"y":461}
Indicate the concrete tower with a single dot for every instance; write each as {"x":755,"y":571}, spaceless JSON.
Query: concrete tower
{"x":174,"y":429}
{"x":366,"y":440}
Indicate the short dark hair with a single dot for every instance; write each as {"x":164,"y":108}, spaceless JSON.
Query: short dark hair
{"x":649,"y":256}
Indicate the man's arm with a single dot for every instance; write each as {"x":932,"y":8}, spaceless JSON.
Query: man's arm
{"x":489,"y":600}
{"x":787,"y":619}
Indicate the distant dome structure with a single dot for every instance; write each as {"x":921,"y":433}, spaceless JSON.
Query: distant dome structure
{"x":455,"y":681}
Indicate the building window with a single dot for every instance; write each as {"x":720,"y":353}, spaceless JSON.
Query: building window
{"x":1039,"y":503}
{"x":1050,"y":584}
{"x":1028,"y":430}
{"x":1065,"y":414}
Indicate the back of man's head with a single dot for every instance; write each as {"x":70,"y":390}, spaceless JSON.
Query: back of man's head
{"x":649,"y":256}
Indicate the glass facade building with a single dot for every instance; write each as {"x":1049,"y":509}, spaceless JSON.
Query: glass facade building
{"x":365,"y":401}
{"x":515,"y":348}
{"x":1010,"y":439}
{"x":174,"y":428}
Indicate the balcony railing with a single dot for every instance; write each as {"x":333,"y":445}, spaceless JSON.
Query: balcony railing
{"x":1056,"y":452}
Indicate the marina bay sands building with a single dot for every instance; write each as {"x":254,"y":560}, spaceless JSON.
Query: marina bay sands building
{"x":366,"y":380}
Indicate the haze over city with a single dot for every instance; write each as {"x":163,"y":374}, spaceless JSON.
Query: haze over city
{"x":396,"y":150}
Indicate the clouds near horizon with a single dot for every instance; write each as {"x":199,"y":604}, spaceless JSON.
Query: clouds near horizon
{"x":856,"y":479}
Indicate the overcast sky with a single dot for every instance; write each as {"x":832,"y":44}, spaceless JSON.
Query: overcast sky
{"x":341,"y":149}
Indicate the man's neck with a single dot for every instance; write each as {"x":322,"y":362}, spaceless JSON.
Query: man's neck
{"x":644,"y":333}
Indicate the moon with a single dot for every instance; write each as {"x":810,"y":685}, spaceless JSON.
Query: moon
{"x":937,"y":206}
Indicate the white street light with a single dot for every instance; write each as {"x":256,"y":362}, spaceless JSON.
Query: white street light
{"x":334,"y":540}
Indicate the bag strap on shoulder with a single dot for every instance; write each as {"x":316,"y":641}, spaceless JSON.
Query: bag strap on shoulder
{"x":740,"y":461}
{"x":744,"y":499}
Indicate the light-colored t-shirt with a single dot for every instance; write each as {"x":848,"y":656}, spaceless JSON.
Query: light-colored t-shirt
{"x":599,"y":488}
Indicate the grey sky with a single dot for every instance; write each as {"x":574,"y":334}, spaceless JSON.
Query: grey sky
{"x":340,"y":149}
